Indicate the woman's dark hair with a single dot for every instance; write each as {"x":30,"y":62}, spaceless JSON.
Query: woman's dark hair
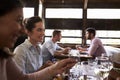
{"x":31,"y":22}
{"x":7,"y":6}
{"x":91,"y":30}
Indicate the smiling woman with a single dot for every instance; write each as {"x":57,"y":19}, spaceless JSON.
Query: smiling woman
{"x":10,"y":22}
{"x":28,"y":60}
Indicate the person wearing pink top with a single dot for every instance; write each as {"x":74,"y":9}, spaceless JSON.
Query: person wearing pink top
{"x":11,"y":19}
{"x":96,"y":47}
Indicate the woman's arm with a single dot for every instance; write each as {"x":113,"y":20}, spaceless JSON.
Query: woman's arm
{"x":14,"y":73}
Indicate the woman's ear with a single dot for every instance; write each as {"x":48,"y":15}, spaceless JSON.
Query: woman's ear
{"x":27,"y":32}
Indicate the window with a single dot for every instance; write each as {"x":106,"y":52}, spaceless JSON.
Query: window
{"x":108,"y":37}
{"x":64,"y":13}
{"x":103,"y":13}
{"x":40,"y":10}
{"x":28,"y":12}
{"x":68,"y":36}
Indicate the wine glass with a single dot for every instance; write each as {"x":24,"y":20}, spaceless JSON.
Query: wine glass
{"x":74,"y":73}
{"x":74,"y":54}
{"x":104,"y":73}
{"x":105,"y":68}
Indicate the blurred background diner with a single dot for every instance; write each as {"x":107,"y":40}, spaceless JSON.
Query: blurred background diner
{"x":50,"y":48}
{"x":96,"y":47}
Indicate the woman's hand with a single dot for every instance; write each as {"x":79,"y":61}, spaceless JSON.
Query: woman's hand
{"x":63,"y":65}
{"x":47,"y":64}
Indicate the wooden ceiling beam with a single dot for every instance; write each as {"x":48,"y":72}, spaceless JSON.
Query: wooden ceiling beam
{"x":85,"y":4}
{"x":80,"y":1}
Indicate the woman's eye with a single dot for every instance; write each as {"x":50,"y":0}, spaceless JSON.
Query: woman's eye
{"x":40,"y":30}
{"x":20,"y":21}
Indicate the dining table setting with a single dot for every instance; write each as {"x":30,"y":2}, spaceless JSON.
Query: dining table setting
{"x":92,"y":69}
{"x":74,"y":53}
{"x":87,"y":67}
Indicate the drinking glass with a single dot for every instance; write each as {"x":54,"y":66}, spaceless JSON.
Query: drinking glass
{"x":74,"y":73}
{"x":92,"y":63}
{"x":74,"y":54}
{"x":104,"y":67}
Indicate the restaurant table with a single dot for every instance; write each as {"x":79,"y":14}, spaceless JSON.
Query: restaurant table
{"x":87,"y":68}
{"x":74,"y":54}
{"x":90,"y":70}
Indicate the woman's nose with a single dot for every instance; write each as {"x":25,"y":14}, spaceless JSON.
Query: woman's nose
{"x":43,"y":32}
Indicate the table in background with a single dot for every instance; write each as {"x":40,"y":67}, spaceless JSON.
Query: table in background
{"x":75,"y":54}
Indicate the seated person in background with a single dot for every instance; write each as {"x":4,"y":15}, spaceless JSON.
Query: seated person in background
{"x":28,"y":54}
{"x":114,"y":73}
{"x":50,"y":48}
{"x":96,"y":47}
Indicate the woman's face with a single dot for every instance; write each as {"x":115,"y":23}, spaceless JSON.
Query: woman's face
{"x":10,"y":26}
{"x":37,"y":33}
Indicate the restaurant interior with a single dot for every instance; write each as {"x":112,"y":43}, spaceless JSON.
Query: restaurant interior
{"x":72,"y":17}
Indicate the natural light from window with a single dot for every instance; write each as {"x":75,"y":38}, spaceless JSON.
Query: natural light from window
{"x":103,"y":13}
{"x":69,"y":36}
{"x":64,"y":13}
{"x":40,"y":10}
{"x":106,"y":37}
{"x":74,"y":36}
{"x":28,"y":12}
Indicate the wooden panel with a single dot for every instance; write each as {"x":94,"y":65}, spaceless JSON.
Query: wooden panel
{"x":63,"y":23}
{"x":79,"y":3}
{"x":31,"y":3}
{"x":104,"y":5}
{"x":103,"y":1}
{"x":61,"y":5}
{"x":104,"y":24}
{"x":99,"y":24}
{"x":75,"y":3}
{"x":63,"y":1}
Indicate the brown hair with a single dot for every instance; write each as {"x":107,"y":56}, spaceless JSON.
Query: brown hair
{"x":56,"y":32}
